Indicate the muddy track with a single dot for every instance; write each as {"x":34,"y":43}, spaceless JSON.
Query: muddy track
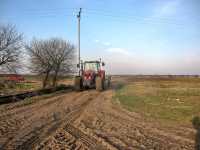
{"x":119,"y":129}
{"x":41,"y":127}
{"x":15,"y":108}
{"x":73,"y":137}
{"x":86,"y":120}
{"x":16,"y":118}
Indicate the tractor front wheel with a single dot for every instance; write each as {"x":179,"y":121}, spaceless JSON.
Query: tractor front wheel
{"x":78,"y":83}
{"x":99,"y":84}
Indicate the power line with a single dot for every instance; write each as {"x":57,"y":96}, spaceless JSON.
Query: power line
{"x":108,"y":12}
{"x":157,"y":20}
{"x":104,"y":13}
{"x":42,"y":13}
{"x":133,"y":20}
{"x":124,"y":14}
{"x":46,"y":10}
{"x":48,"y":15}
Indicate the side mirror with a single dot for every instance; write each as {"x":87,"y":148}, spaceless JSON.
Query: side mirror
{"x":103,"y":64}
{"x":78,"y":65}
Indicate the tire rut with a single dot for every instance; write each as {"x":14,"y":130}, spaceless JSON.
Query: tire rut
{"x":41,"y":129}
{"x":16,"y":120}
{"x":87,"y":140}
{"x":72,"y":137}
{"x":27,"y":131}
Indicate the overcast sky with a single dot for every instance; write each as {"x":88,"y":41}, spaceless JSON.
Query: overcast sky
{"x":131,"y":36}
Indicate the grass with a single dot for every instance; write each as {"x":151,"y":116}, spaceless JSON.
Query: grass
{"x":32,"y":82}
{"x":26,"y":86}
{"x":176,"y":100}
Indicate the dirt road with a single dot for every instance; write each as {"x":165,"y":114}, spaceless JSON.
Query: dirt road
{"x":85,"y":120}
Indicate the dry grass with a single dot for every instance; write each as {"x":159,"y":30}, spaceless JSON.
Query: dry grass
{"x":172,"y":100}
{"x":32,"y":82}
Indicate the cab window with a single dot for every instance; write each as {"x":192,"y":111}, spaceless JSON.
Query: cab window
{"x":92,"y":66}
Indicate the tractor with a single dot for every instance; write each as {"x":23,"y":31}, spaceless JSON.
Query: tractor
{"x":91,"y":76}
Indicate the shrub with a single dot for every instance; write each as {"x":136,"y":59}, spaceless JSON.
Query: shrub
{"x":196,"y":122}
{"x":2,"y":86}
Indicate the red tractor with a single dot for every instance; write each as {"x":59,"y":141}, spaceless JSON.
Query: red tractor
{"x":91,"y":76}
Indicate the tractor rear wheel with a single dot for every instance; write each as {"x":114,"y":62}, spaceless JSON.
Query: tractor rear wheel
{"x":99,"y":84}
{"x":109,"y":81}
{"x":78,"y":83}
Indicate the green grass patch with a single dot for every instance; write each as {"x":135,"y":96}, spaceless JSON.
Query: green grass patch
{"x":24,"y":86}
{"x":172,"y":101}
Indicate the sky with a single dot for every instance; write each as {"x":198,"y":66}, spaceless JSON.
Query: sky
{"x":131,"y":36}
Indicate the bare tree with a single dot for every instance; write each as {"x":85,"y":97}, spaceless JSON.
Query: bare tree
{"x":51,"y":57}
{"x":40,"y":62}
{"x":62,"y":55}
{"x":10,"y":47}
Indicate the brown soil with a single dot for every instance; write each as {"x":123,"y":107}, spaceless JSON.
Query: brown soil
{"x":85,"y":120}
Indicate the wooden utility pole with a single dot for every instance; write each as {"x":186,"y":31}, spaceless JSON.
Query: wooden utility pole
{"x":79,"y":44}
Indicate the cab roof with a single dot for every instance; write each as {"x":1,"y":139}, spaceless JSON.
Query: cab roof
{"x":92,"y":61}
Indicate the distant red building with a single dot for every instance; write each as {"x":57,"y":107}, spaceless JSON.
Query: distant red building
{"x":13,"y":77}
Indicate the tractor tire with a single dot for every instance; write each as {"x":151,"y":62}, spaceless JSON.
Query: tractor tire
{"x":99,"y":84}
{"x":109,"y":81}
{"x":78,"y":83}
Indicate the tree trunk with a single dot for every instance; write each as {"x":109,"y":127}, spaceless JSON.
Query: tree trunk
{"x":55,"y":78}
{"x":45,"y":79}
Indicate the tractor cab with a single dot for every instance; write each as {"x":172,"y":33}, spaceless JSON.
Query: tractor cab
{"x":90,"y":71}
{"x":91,"y":66}
{"x":91,"y":75}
